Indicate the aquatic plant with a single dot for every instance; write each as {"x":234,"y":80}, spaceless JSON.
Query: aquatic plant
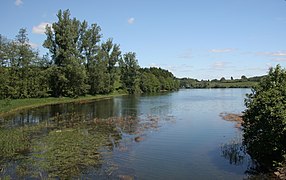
{"x":14,"y":142}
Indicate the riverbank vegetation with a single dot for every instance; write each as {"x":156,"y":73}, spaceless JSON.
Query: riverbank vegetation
{"x":11,"y":105}
{"x":79,"y":63}
{"x":243,"y":82}
{"x":265,"y":121}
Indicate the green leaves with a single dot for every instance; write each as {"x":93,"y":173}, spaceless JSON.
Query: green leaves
{"x":21,"y":73}
{"x":156,"y":79}
{"x":265,"y":119}
{"x":86,"y":66}
{"x":77,"y":63}
{"x":130,"y":72}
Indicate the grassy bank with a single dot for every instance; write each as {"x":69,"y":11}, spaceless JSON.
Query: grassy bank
{"x":7,"y":106}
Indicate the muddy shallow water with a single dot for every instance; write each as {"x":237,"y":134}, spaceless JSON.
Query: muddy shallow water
{"x":178,"y":135}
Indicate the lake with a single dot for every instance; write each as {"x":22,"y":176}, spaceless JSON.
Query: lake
{"x":178,"y":135}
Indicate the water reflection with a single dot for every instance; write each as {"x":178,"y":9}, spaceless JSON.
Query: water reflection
{"x":67,"y":145}
{"x":234,"y":152}
{"x":121,"y":106}
{"x":170,"y":136}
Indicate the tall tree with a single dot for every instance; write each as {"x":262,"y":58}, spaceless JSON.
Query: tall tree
{"x":25,"y":57}
{"x":63,"y":40}
{"x":4,"y":73}
{"x":21,"y":75}
{"x":89,"y":42}
{"x":111,"y":54}
{"x":130,"y":72}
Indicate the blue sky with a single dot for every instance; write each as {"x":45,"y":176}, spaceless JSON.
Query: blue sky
{"x":201,"y":39}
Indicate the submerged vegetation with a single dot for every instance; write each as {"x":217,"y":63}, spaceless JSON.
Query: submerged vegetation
{"x":68,"y":145}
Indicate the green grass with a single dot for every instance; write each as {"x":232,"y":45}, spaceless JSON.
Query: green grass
{"x":11,"y":105}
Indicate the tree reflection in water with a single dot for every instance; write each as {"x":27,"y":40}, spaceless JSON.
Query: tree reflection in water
{"x":65,"y":146}
{"x":234,"y":151}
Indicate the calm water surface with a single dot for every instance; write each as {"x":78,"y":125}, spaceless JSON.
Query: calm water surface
{"x":177,"y":135}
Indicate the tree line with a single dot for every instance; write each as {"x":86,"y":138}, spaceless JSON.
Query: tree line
{"x":243,"y":82}
{"x":78,"y":63}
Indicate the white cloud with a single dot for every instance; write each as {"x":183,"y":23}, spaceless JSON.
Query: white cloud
{"x":219,"y":65}
{"x":275,"y":54}
{"x":283,"y":59}
{"x":18,"y":2}
{"x":278,"y":54}
{"x":41,"y":28}
{"x":33,"y":45}
{"x":131,"y":20}
{"x":221,"y":50}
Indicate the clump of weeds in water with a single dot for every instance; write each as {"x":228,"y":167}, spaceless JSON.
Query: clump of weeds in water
{"x":69,"y":151}
{"x":63,"y":147}
{"x":14,"y":142}
{"x":234,"y":151}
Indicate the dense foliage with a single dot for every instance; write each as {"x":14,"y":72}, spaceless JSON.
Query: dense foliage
{"x":157,"y":79}
{"x":78,"y":63}
{"x":22,"y":72}
{"x":265,"y":119}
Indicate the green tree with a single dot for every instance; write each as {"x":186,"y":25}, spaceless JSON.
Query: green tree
{"x":111,"y":54}
{"x":149,"y":83}
{"x":99,"y":78}
{"x":63,"y":42}
{"x":243,"y":78}
{"x":22,"y":74}
{"x":222,"y":79}
{"x":25,"y":58}
{"x":130,"y":73}
{"x":265,"y":119}
{"x":4,"y":74}
{"x":89,"y":42}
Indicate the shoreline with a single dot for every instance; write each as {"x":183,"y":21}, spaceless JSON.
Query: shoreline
{"x":13,"y":105}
